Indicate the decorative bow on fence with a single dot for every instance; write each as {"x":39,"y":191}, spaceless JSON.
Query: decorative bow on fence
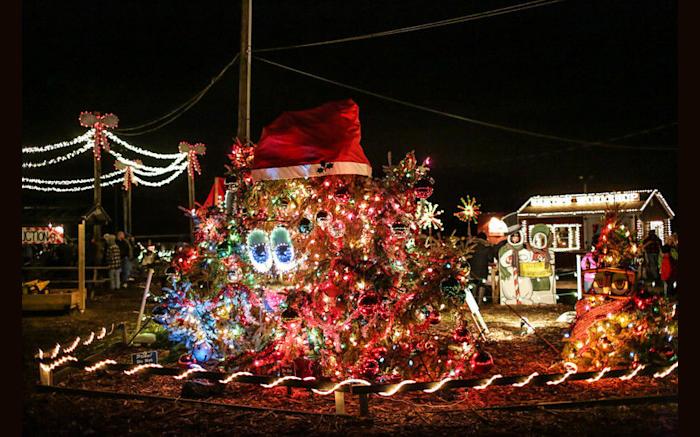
{"x":192,"y":151}
{"x":99,"y":123}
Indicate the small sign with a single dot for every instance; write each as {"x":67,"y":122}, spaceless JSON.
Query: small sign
{"x":150,"y":357}
{"x":42,"y":235}
{"x":536,"y":269}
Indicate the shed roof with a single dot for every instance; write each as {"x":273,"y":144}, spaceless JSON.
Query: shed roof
{"x":634,"y":201}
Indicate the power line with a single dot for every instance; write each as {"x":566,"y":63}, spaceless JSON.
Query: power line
{"x":456,"y":116}
{"x":181,"y":109}
{"x":477,"y":16}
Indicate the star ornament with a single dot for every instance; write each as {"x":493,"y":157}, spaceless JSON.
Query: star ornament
{"x":468,"y":210}
{"x":427,"y":215}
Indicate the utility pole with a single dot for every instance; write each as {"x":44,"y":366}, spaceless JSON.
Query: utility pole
{"x":244,"y":76}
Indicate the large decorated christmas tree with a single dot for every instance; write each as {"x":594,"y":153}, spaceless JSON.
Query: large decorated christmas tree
{"x":315,"y":268}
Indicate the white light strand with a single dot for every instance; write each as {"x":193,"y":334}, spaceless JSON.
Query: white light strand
{"x":145,"y":152}
{"x":56,"y":350}
{"x":71,"y":181}
{"x":102,"y":333}
{"x":59,"y":362}
{"x":437,"y":386}
{"x":526,"y":381}
{"x":489,"y":382}
{"x":633,"y":373}
{"x":141,"y":367}
{"x":571,"y":368}
{"x":188,"y":372}
{"x":599,"y":375}
{"x":234,"y":376}
{"x":77,"y":140}
{"x":99,"y":365}
{"x":287,"y":378}
{"x":664,"y":373}
{"x":90,"y":339}
{"x":161,"y":182}
{"x":72,"y":347}
{"x":340,"y":384}
{"x":56,"y":160}
{"x":70,"y":189}
{"x":397,"y":387}
{"x":147,"y":170}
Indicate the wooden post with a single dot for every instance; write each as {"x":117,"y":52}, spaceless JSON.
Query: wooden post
{"x":495,"y":291}
{"x":126,"y":197}
{"x":45,"y":376}
{"x":339,"y":402}
{"x":190,"y":196}
{"x":81,"y":266}
{"x":364,"y":404}
{"x":244,"y":76}
{"x":97,"y":194}
{"x":146,"y":291}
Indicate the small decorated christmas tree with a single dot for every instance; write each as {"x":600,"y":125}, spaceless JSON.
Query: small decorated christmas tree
{"x":618,"y":322}
{"x":316,"y":268}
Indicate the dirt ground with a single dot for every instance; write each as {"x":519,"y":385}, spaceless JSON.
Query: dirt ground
{"x":442,"y":413}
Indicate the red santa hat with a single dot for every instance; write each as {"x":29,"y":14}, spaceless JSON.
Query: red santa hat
{"x":314,"y":142}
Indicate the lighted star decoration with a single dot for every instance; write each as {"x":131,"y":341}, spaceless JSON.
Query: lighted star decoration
{"x":468,"y":210}
{"x":427,"y":215}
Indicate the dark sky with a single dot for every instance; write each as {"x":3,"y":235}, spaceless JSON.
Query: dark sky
{"x":582,"y":69}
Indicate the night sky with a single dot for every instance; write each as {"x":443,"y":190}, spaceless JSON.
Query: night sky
{"x":589,"y":70}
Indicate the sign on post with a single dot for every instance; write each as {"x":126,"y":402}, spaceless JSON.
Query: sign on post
{"x":149,"y":357}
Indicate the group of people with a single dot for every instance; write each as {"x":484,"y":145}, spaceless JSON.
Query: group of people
{"x":118,"y":255}
{"x":661,"y":260}
{"x":659,"y":263}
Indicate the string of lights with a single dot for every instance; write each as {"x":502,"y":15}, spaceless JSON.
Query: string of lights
{"x":70,"y":155}
{"x":391,"y":389}
{"x":76,"y":343}
{"x":77,"y":140}
{"x":103,"y":183}
{"x":146,"y":170}
{"x":165,"y":181}
{"x":70,"y":181}
{"x":140,"y":150}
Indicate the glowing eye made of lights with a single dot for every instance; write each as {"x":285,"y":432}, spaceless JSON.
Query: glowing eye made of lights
{"x":282,"y":249}
{"x":259,"y":251}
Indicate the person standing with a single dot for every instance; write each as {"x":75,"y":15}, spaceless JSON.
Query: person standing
{"x":125,"y":251}
{"x":479,"y":262}
{"x":652,"y":247}
{"x":588,"y":263}
{"x":668,"y":270}
{"x":114,"y":261}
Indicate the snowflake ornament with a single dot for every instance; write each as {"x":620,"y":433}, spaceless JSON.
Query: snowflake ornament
{"x":469,"y":210}
{"x":426,"y":215}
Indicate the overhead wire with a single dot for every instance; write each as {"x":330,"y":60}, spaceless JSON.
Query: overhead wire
{"x":456,"y":116}
{"x":173,"y":115}
{"x":463,"y":19}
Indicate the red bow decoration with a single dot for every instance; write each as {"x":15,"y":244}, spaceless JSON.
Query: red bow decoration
{"x":128,"y":173}
{"x":192,"y":151}
{"x":99,"y":123}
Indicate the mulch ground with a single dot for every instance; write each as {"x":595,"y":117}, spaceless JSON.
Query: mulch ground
{"x":414,"y":413}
